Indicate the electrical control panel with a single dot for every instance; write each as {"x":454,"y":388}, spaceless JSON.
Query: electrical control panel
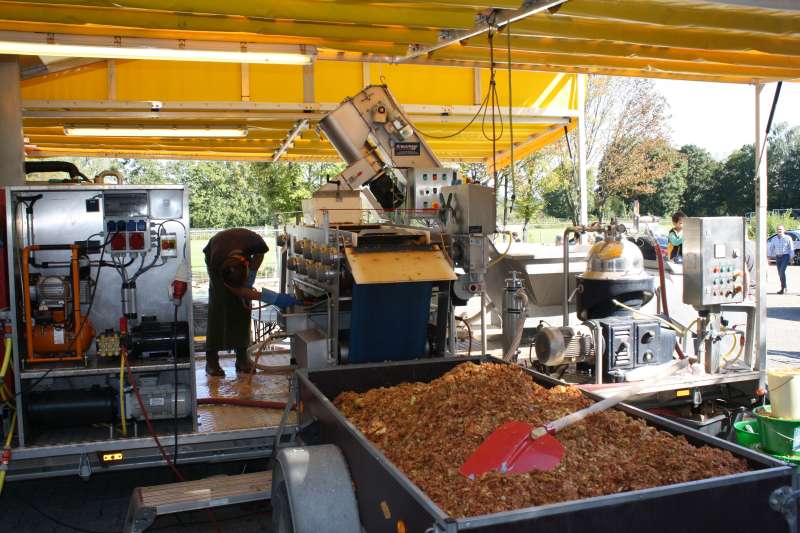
{"x":713,"y":260}
{"x":126,"y":220}
{"x":472,"y":209}
{"x":427,"y":184}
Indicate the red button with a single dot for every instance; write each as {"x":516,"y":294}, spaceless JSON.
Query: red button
{"x":136,"y":241}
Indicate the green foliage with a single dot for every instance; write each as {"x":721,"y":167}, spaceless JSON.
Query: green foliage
{"x":668,"y":195}
{"x":634,"y":168}
{"x":734,"y":183}
{"x":700,"y":195}
{"x":773,"y":221}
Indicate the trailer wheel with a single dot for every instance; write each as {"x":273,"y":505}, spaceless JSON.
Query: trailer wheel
{"x":312,"y":491}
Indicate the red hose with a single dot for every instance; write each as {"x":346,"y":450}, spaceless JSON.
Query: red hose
{"x":153,"y":434}
{"x":263,"y":404}
{"x":664,"y":305}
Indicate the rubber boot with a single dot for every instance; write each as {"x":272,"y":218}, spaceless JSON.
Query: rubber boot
{"x":212,"y":365}
{"x":243,"y":362}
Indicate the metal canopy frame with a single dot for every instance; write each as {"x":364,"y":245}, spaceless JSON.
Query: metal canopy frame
{"x":737,"y":41}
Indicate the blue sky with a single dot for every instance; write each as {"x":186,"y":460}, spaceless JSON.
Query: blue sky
{"x":720,"y":117}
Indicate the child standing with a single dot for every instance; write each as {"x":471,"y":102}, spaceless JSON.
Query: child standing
{"x":675,"y":238}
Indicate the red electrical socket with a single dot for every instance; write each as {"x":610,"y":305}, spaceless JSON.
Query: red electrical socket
{"x":136,"y":241}
{"x":118,"y":243}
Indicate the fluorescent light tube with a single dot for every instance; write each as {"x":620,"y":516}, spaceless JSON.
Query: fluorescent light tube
{"x":99,"y":131}
{"x":64,"y":45}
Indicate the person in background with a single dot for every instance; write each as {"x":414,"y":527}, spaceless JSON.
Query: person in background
{"x":675,"y":238}
{"x":781,"y":248}
{"x":232,"y":258}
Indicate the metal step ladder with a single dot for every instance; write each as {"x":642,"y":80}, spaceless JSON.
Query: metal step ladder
{"x":147,"y":503}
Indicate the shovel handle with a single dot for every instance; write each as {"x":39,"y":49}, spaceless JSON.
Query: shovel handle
{"x":607,"y":403}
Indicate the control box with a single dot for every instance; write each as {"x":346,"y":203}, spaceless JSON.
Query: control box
{"x":713,"y":260}
{"x":473,"y":209}
{"x":427,"y":185}
{"x":126,"y":219}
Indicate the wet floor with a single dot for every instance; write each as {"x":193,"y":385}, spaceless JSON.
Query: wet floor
{"x":257,"y":386}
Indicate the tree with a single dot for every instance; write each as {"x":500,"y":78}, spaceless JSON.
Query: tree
{"x":782,"y":156}
{"x":734,"y":184}
{"x":669,"y":190}
{"x":700,"y":196}
{"x":631,"y":168}
{"x":528,"y":200}
{"x":619,"y":111}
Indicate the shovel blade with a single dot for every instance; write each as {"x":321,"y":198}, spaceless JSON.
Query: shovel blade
{"x":511,"y":450}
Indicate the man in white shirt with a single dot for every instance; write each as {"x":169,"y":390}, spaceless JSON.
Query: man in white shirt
{"x":781,"y":247}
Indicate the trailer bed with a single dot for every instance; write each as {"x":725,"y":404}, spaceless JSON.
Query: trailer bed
{"x":385,"y":495}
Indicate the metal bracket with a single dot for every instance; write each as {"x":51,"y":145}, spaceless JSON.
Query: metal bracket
{"x":84,"y":468}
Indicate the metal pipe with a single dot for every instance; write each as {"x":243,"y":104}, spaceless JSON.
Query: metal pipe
{"x":484,"y":345}
{"x":565,"y":268}
{"x":494,"y":21}
{"x":452,"y":340}
{"x":599,"y":353}
{"x":565,"y":279}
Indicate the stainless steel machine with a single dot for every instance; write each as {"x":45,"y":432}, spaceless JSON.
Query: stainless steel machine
{"x":633,"y":310}
{"x":611,"y":339}
{"x":103,"y":327}
{"x":713,"y":276}
{"x":385,"y":290}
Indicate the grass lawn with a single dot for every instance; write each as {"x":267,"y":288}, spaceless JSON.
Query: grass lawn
{"x":198,"y":261}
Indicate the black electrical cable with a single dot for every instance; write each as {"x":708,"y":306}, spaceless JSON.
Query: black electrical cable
{"x":175,"y":377}
{"x":511,"y":136}
{"x":462,"y":130}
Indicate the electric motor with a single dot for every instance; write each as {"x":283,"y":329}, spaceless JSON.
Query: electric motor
{"x":159,"y":400}
{"x":565,"y":345}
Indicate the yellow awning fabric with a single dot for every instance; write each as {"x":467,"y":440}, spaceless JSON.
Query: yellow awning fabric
{"x":271,"y":101}
{"x":717,"y":40}
{"x":361,"y":41}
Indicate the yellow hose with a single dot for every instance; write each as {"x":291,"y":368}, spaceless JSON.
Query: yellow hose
{"x":501,"y":256}
{"x":7,"y":452}
{"x":5,"y":394}
{"x":6,"y":358}
{"x":122,"y":393}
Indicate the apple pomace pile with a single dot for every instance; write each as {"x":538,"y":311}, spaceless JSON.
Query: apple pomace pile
{"x":428,"y":429}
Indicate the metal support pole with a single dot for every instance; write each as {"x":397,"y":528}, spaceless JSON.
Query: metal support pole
{"x":484,"y":344}
{"x":583,"y":189}
{"x":12,"y":148}
{"x":451,"y":344}
{"x":761,"y":241}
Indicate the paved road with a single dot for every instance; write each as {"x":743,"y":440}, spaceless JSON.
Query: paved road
{"x":783,"y":319}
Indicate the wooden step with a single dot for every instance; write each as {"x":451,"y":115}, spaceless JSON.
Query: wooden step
{"x":149,"y":502}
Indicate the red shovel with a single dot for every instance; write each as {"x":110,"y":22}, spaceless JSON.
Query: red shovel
{"x":517,"y":447}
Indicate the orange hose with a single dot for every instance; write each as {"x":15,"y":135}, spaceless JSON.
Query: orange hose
{"x":76,"y":301}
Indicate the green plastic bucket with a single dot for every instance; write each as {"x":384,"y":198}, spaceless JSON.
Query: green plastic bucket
{"x":778,"y":436}
{"x":744,"y":437}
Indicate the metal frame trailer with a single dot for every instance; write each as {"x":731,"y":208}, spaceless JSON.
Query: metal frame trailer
{"x":78,"y":452}
{"x":383,"y":495}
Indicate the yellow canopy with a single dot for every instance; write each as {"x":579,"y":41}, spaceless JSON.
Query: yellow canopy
{"x":403,"y":42}
{"x":715,"y":40}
